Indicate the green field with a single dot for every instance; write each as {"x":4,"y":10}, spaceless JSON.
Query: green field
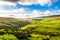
{"x":47,"y":28}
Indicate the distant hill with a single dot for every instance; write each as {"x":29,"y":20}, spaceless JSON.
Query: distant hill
{"x":6,"y":22}
{"x":51,"y":16}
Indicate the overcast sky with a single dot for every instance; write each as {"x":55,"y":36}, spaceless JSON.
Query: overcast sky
{"x":29,"y":8}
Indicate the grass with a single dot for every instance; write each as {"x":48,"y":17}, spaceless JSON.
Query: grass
{"x":34,"y":29}
{"x":46,"y":26}
{"x":12,"y":22}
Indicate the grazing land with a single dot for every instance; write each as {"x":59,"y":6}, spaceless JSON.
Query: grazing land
{"x":47,"y":28}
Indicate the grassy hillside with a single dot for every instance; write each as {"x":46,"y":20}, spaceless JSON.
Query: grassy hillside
{"x":12,"y":22}
{"x":47,"y":28}
{"x":44,"y":29}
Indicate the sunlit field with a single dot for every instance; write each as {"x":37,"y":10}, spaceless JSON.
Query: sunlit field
{"x":47,"y":28}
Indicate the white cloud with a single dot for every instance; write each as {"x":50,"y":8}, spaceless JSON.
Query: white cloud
{"x":37,"y":13}
{"x":7,"y":3}
{"x":21,"y":13}
{"x":12,"y":13}
{"x":56,"y":12}
{"x":21,"y":10}
{"x":41,"y":2}
{"x":29,"y":2}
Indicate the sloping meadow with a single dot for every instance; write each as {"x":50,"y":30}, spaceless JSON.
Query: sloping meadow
{"x":33,"y":29}
{"x":44,"y":29}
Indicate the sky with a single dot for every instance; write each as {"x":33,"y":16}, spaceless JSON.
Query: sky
{"x":29,"y":8}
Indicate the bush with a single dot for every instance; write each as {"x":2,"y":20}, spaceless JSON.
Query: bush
{"x":8,"y":37}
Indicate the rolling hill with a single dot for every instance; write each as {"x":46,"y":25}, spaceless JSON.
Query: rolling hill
{"x":47,"y":28}
{"x":6,"y":22}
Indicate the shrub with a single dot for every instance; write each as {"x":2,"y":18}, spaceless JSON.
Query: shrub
{"x":8,"y":37}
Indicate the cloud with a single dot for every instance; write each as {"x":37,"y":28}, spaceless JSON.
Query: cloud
{"x":56,"y":12}
{"x":10,"y":0}
{"x":37,"y":13}
{"x":30,"y":2}
{"x":21,"y":13}
{"x":17,"y":13}
{"x":21,"y":10}
{"x":6,"y":3}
